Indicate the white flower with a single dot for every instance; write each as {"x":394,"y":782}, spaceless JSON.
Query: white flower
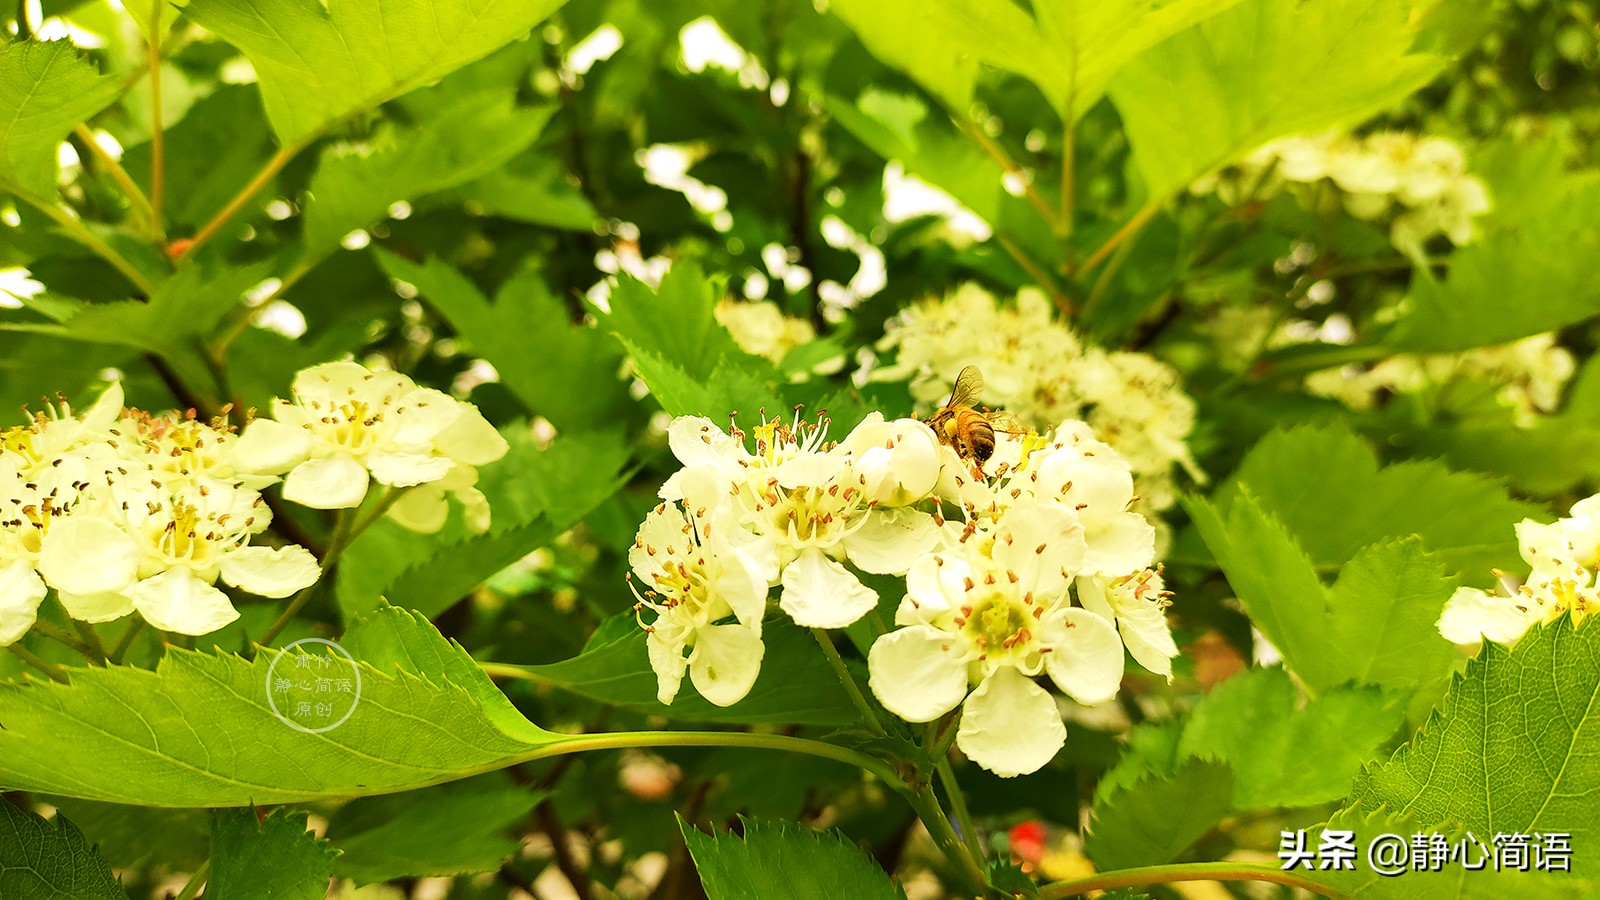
{"x":1562,"y":555}
{"x":699,"y":578}
{"x":174,"y":448}
{"x":993,"y":611}
{"x":1137,"y":603}
{"x":347,"y":421}
{"x":897,"y":462}
{"x":161,"y":551}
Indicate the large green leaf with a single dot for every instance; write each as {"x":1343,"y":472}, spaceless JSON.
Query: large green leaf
{"x":271,"y":857}
{"x":675,"y":320}
{"x":474,"y":137}
{"x":46,"y":90}
{"x":564,"y":371}
{"x":1464,"y":519}
{"x":796,"y":684}
{"x":1261,"y":70}
{"x":1515,"y":746}
{"x":1070,"y":50}
{"x":200,"y":731}
{"x":1284,"y":751}
{"x":451,"y":829}
{"x":44,"y":859}
{"x":318,"y":63}
{"x":785,"y":860}
{"x":1375,"y":626}
{"x":185,"y":307}
{"x":1156,"y":819}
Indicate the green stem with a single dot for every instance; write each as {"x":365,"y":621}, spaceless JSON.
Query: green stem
{"x":53,"y":632}
{"x":196,"y":881}
{"x":126,"y":641}
{"x":210,"y":229}
{"x":958,"y":805}
{"x":1103,"y":281}
{"x":75,"y":227}
{"x":1209,"y":871}
{"x":938,"y":825}
{"x":1069,"y":145}
{"x":848,"y":680}
{"x":158,"y":165}
{"x":95,"y":650}
{"x":129,"y":189}
{"x":1012,"y":168}
{"x":1128,"y":230}
{"x":32,"y":659}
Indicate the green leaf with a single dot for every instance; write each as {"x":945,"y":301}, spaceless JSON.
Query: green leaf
{"x":219,"y":145}
{"x":1070,"y":52}
{"x":1156,"y":819}
{"x":1463,"y":518}
{"x":1514,"y":747}
{"x":782,"y":859}
{"x":564,"y":371}
{"x":534,"y":189}
{"x":199,"y":730}
{"x":185,"y":307}
{"x":46,"y":90}
{"x":534,"y":494}
{"x":452,"y":829}
{"x":272,"y":857}
{"x":49,"y":859}
{"x":674,"y":321}
{"x":318,"y":63}
{"x":1375,"y":626}
{"x":1261,"y":70}
{"x":796,"y":684}
{"x":352,"y":190}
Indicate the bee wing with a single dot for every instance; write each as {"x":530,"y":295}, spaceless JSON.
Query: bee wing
{"x":1008,"y":423}
{"x":969,"y":384}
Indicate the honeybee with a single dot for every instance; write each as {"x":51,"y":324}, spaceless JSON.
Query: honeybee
{"x":970,"y":431}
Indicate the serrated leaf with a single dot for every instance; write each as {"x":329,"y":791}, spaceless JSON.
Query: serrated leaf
{"x":532,"y":189}
{"x":1070,"y":51}
{"x":796,"y":684}
{"x":563,"y":371}
{"x":199,"y":730}
{"x":1156,"y":819}
{"x":451,"y":829}
{"x":222,"y":141}
{"x":1514,"y":747}
{"x":1462,"y":518}
{"x":46,"y":89}
{"x":272,"y":857}
{"x":785,"y":860}
{"x":318,"y":63}
{"x":1261,"y":70}
{"x":50,"y":859}
{"x":185,"y":307}
{"x":675,"y":321}
{"x":474,"y":137}
{"x":1375,"y":626}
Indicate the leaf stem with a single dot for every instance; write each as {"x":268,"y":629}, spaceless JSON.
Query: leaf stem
{"x":52,"y":632}
{"x":1037,"y":272}
{"x":1128,"y":230}
{"x":1103,"y":281}
{"x":191,"y":889}
{"x":958,"y":805}
{"x":1206,"y":871}
{"x":33,"y":659}
{"x":158,"y":138}
{"x":1014,"y":169}
{"x":126,"y":641}
{"x":848,"y":680}
{"x":938,"y":825}
{"x":1069,"y":189}
{"x":140,"y":202}
{"x":75,"y":227}
{"x":210,"y":229}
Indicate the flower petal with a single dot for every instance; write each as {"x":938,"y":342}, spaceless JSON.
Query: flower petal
{"x":269,"y":571}
{"x":270,"y":447}
{"x":892,"y":540}
{"x":428,"y":415}
{"x":665,"y":645}
{"x":94,"y":608}
{"x":177,"y":601}
{"x":916,"y":673}
{"x":820,"y":593}
{"x":398,"y":469}
{"x":696,"y":440}
{"x":1085,"y":658}
{"x":1042,"y":542}
{"x":88,"y":555}
{"x":1010,"y":725}
{"x":725,"y":662}
{"x":1119,"y":544}
{"x":422,"y":509}
{"x":333,"y":482}
{"x":934,"y":584}
{"x":21,"y":592}
{"x":1472,"y":615}
{"x":471,"y":439}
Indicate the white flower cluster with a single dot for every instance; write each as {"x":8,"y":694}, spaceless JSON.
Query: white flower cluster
{"x":1039,"y":370}
{"x":347,"y":426}
{"x":1562,"y":556}
{"x":1420,"y":184}
{"x":761,"y":328}
{"x":121,"y":511}
{"x":991,"y":562}
{"x":1531,"y":374}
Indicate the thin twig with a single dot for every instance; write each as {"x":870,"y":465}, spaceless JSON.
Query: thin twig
{"x":126,"y":641}
{"x":158,"y":138}
{"x":84,"y":235}
{"x":560,"y":845}
{"x":1128,"y":230}
{"x":210,"y":229}
{"x":33,"y":659}
{"x":109,"y":163}
{"x":1014,"y":169}
{"x":848,"y":680}
{"x":52,"y":632}
{"x":1037,"y":273}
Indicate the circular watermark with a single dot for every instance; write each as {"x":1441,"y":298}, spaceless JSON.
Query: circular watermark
{"x":311,"y":692}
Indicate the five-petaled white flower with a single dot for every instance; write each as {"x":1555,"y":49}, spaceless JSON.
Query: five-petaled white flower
{"x":346,"y":421}
{"x":708,"y":590}
{"x":993,"y":611}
